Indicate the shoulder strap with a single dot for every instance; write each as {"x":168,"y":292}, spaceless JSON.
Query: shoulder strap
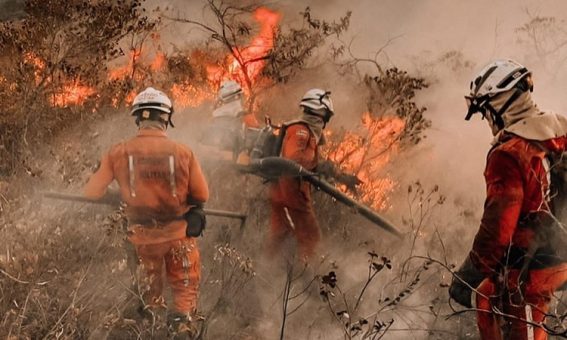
{"x":281,"y":136}
{"x":283,"y":130}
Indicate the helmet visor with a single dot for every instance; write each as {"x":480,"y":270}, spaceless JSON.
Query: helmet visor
{"x":475,"y":105}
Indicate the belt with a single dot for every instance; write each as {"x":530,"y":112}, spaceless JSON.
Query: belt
{"x":153,"y":222}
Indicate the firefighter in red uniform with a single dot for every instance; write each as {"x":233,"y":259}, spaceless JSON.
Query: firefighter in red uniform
{"x":164,"y":189}
{"x":292,"y":206}
{"x":520,"y":269}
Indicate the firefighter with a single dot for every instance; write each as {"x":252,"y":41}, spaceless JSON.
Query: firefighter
{"x":164,"y":189}
{"x":512,"y":252}
{"x":230,"y":104}
{"x":225,"y":135}
{"x":292,"y":207}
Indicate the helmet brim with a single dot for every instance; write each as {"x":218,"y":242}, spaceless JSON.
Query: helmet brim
{"x":159,"y":108}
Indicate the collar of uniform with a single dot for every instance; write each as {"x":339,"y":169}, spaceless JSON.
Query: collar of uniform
{"x":151,"y":133}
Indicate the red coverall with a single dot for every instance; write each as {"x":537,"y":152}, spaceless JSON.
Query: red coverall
{"x":292,"y":206}
{"x":156,"y":177}
{"x":517,"y":183}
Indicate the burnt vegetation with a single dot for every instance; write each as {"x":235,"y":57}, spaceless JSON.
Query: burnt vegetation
{"x":294,"y":47}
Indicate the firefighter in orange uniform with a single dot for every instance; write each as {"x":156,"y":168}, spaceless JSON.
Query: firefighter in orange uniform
{"x":164,"y":189}
{"x":291,"y":202}
{"x":511,"y":250}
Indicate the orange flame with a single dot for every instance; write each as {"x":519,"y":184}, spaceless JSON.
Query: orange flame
{"x":366,"y":154}
{"x":186,"y":95}
{"x":126,"y":70}
{"x":32,"y":59}
{"x":72,"y":94}
{"x":251,"y":56}
{"x":159,"y":62}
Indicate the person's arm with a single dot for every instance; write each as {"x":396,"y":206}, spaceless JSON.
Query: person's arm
{"x":100,"y":180}
{"x":198,"y":188}
{"x":328,"y":169}
{"x":501,"y":212}
{"x":198,"y":195}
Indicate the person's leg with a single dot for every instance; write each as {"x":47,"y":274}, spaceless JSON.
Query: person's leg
{"x":530,"y":306}
{"x":183,"y":268}
{"x":488,"y":323}
{"x":151,"y":271}
{"x":307,"y":232}
{"x":279,"y":229}
{"x":524,"y":312}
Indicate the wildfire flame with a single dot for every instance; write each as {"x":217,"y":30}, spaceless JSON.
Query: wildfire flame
{"x":245,"y":69}
{"x":159,"y":62}
{"x":185,"y":94}
{"x":125,"y":71}
{"x":32,"y":59}
{"x":251,"y":56}
{"x":72,"y":94}
{"x":366,"y":153}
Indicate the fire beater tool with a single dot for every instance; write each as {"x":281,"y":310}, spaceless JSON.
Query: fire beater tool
{"x":114,"y":200}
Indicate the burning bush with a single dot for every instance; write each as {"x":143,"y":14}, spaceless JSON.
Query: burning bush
{"x":393,"y":121}
{"x":53,"y":58}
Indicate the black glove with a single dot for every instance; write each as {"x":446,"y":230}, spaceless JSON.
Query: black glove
{"x":327,"y":169}
{"x":196,"y":222}
{"x":351,"y":181}
{"x":458,"y":290}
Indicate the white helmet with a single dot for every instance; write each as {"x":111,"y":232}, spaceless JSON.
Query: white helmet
{"x":151,"y":98}
{"x":497,"y":77}
{"x":229,"y":89}
{"x":154,"y":99}
{"x":318,"y":102}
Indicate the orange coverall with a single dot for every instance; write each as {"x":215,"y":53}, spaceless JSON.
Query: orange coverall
{"x":517,"y":181}
{"x":292,"y":206}
{"x":156,"y":177}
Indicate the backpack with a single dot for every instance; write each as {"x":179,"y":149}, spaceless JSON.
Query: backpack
{"x":268,"y":141}
{"x":554,"y":230}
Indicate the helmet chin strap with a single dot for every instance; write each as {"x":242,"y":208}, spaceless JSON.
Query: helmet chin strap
{"x":169,"y":121}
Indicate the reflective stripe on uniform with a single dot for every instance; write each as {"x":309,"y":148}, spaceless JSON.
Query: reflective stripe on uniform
{"x":529,"y":327}
{"x":132,"y":175}
{"x":172,"y":176}
{"x":186,"y":265}
{"x":288,"y":217}
{"x":547,"y":167}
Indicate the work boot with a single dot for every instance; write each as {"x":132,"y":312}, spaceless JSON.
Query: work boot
{"x":180,"y":326}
